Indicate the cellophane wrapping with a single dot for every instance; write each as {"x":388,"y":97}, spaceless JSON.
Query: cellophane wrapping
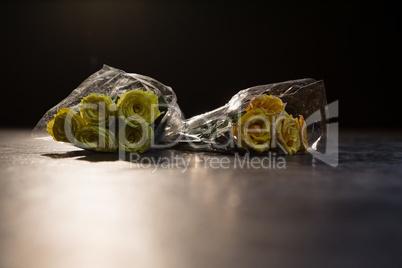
{"x":114,"y":83}
{"x":211,"y":131}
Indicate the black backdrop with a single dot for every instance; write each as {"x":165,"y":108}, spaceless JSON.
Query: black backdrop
{"x":206,"y":51}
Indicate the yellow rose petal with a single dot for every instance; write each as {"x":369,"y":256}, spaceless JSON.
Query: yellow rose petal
{"x":252,"y":131}
{"x":270,"y":104}
{"x":96,"y":109}
{"x":49,"y":127}
{"x":96,"y":138}
{"x":137,"y":138}
{"x":137,"y":104}
{"x":64,"y":125}
{"x":303,"y":134}
{"x":288,"y":133}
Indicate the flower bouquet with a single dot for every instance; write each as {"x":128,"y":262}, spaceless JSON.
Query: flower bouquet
{"x":261,"y":119}
{"x":114,"y":110}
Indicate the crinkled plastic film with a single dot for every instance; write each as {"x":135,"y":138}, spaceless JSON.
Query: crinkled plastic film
{"x":211,"y":131}
{"x":114,"y":82}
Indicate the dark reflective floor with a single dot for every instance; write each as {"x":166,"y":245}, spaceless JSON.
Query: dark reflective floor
{"x":64,"y":207}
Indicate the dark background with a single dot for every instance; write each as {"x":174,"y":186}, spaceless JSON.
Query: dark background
{"x":205,"y":51}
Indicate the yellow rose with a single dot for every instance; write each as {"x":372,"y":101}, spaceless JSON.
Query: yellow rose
{"x":288,"y":133}
{"x":136,"y":139}
{"x":65,"y":118}
{"x":252,"y":131}
{"x":96,"y":109}
{"x":303,"y":134}
{"x":96,"y":138}
{"x":270,"y":104}
{"x":137,"y":104}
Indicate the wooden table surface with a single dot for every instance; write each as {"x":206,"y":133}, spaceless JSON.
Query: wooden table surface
{"x":64,"y":207}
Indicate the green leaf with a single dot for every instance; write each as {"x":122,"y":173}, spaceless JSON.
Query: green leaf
{"x":159,"y":126}
{"x":162,"y":105}
{"x":115,"y":99}
{"x":236,"y":117}
{"x":225,"y":123}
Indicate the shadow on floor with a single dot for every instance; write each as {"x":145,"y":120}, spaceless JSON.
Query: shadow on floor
{"x":85,"y":155}
{"x":91,"y":156}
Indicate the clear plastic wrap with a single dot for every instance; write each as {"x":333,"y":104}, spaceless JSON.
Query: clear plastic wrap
{"x":212,"y":131}
{"x":255,"y":120}
{"x":114,"y":83}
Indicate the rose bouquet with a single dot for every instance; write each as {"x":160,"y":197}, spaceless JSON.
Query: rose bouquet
{"x":114,"y":110}
{"x":261,"y":119}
